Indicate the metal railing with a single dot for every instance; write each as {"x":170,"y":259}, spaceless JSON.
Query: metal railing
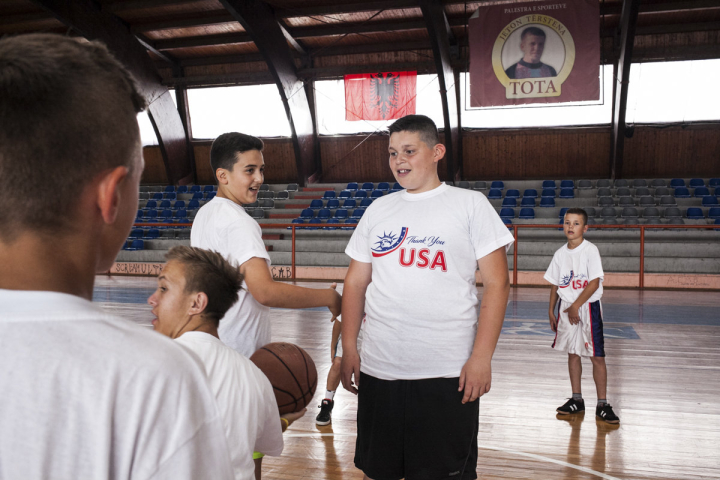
{"x":515,"y":229}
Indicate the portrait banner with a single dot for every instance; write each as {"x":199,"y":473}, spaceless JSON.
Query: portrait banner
{"x":380,"y":96}
{"x":534,"y":52}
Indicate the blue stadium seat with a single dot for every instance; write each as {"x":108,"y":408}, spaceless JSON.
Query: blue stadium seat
{"x":208,"y":188}
{"x":549,"y":184}
{"x":714,"y":212}
{"x":528,"y":202}
{"x":210,"y":195}
{"x":307,"y":213}
{"x":296,"y":220}
{"x":182,"y":189}
{"x":368,"y":186}
{"x":567,"y":184}
{"x":512,"y":193}
{"x":193,"y":204}
{"x":709,"y":201}
{"x":136,"y":244}
{"x":547,"y":202}
{"x":157,"y":196}
{"x":376,"y":194}
{"x":332,"y":221}
{"x":509,"y":202}
{"x":361,"y":194}
{"x":506,"y":220}
{"x":345,"y":194}
{"x":329,"y":194}
{"x":137,"y":233}
{"x":165,"y":204}
{"x":341,"y":214}
{"x":384,"y":186}
{"x":169,"y":188}
{"x":507,"y":213}
{"x":714,"y":182}
{"x":181,"y":215}
{"x":694,"y":213}
{"x":350,"y":203}
{"x":139,"y":215}
{"x":151,"y":214}
{"x":179,"y":204}
{"x":366,"y":202}
{"x":197,"y":196}
{"x":170,"y":196}
{"x":316,"y":203}
{"x":397,"y":186}
{"x":697,"y":182}
{"x":494,"y":193}
{"x":333,"y":203}
{"x":324,"y":214}
{"x":527,"y":213}
{"x":548,"y":193}
{"x":195,"y":188}
{"x":350,"y":221}
{"x":352,"y":186}
{"x":567,"y":193}
{"x":358,"y":213}
{"x":677,"y":182}
{"x":701,"y":192}
{"x":152,"y":234}
{"x":167,"y":213}
{"x":682,"y":192}
{"x":497,"y":184}
{"x":151,"y":204}
{"x":562,"y":212}
{"x":530,"y":193}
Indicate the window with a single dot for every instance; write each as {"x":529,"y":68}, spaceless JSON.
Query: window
{"x":673,"y":92}
{"x":539,"y":115}
{"x":255,"y":110}
{"x":330,"y":101}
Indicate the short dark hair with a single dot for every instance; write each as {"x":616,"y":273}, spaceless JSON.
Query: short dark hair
{"x":208,"y":272}
{"x":224,"y":150}
{"x":578,"y":211}
{"x":68,"y":111}
{"x":418,"y":124}
{"x":538,"y":32}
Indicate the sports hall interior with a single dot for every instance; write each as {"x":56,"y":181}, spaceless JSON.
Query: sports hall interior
{"x":651,"y":187}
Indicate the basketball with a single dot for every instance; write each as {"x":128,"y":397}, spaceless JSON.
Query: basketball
{"x":291,"y":372}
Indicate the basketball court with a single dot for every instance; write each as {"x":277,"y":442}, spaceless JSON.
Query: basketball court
{"x":664,"y":383}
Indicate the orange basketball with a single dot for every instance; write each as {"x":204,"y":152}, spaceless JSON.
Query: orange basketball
{"x":291,"y":372}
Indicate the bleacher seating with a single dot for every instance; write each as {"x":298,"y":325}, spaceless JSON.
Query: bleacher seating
{"x":548,"y":193}
{"x":509,"y":202}
{"x":682,"y":192}
{"x":494,"y":193}
{"x":677,"y":182}
{"x":528,"y":202}
{"x":549,"y":184}
{"x":497,"y":185}
{"x":567,"y":193}
{"x":507,"y":213}
{"x":512,"y":193}
{"x":527,"y":213}
{"x":694,"y":213}
{"x":333,"y":203}
{"x":530,"y":193}
{"x":368,"y":186}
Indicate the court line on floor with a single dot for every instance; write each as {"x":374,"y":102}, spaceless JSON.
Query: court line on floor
{"x":485,"y":447}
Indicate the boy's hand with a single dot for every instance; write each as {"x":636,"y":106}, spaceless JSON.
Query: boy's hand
{"x":349,"y":368}
{"x":573,"y":314}
{"x":291,"y":417}
{"x":335,"y":304}
{"x":475,"y":379}
{"x":553,"y":321}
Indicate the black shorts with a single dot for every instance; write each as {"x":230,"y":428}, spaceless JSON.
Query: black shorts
{"x":416,"y":429}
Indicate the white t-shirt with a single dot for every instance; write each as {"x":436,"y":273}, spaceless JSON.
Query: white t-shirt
{"x":84,"y":394}
{"x":572,"y":270}
{"x":223,"y":226}
{"x":245,"y":398}
{"x":421,"y":305}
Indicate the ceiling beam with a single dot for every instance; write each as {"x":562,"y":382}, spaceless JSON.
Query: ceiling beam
{"x":440,"y":37}
{"x":124,"y":6}
{"x":86,"y":18}
{"x":628,"y":20}
{"x":258,"y":19}
{"x":214,"y":17}
{"x":345,"y":7}
{"x":202,"y":41}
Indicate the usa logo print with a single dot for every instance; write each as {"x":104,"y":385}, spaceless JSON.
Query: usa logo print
{"x":566,"y":279}
{"x":388,"y":242}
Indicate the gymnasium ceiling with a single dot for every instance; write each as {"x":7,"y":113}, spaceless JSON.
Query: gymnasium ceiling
{"x":198,"y":43}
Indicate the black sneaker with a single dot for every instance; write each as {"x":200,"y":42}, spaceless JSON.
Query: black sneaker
{"x":325,"y":415}
{"x":572,"y":406}
{"x":606,"y":414}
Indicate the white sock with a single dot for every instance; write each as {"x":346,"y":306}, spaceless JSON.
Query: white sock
{"x":329,"y":394}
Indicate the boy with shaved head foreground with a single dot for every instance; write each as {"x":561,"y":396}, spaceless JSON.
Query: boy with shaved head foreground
{"x":427,"y":348}
{"x":84,"y":394}
{"x":195,"y":289}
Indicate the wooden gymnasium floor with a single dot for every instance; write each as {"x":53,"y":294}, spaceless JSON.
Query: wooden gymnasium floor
{"x":663,"y":360}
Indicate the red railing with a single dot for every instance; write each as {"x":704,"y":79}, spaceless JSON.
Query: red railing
{"x":515,"y":228}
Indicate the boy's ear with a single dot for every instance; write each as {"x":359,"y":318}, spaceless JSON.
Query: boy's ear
{"x":438,"y":152}
{"x":108,"y":194}
{"x":199,"y":303}
{"x":222,"y":176}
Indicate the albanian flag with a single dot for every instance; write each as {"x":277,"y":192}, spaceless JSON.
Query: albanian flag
{"x":380,"y":96}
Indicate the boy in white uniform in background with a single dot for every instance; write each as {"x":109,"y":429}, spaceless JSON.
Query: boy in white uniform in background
{"x":84,"y":394}
{"x":576,"y":274}
{"x":427,"y":348}
{"x":195,"y":289}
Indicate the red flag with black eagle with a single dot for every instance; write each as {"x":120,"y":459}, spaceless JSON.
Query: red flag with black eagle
{"x":380,"y":96}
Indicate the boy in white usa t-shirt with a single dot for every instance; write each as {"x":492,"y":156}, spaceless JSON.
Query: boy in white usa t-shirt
{"x":576,"y":274}
{"x":223,"y":226}
{"x":427,"y":347}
